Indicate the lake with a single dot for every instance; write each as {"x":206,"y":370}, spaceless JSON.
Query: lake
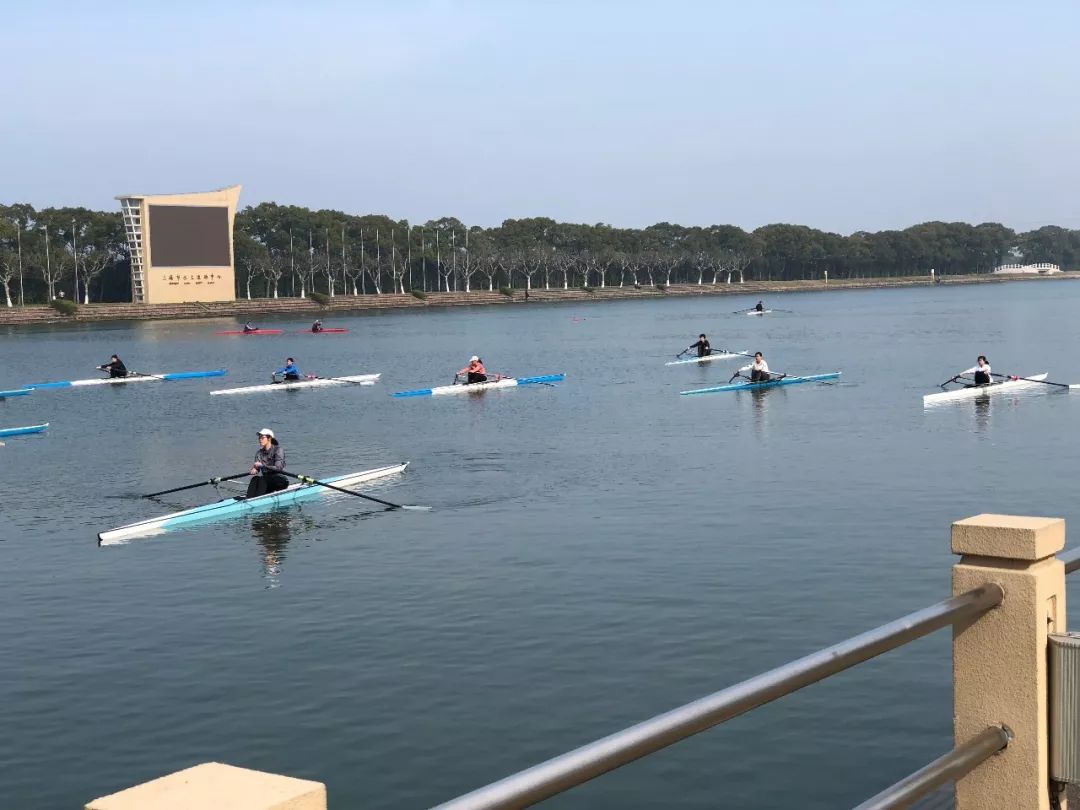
{"x":598,"y":552}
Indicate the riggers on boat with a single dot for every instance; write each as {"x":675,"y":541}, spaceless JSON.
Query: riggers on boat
{"x":23,"y":431}
{"x":707,"y":358}
{"x":752,"y":386}
{"x":473,"y":388}
{"x":237,"y":506}
{"x":133,"y":377}
{"x":972,"y":391}
{"x":317,"y":382}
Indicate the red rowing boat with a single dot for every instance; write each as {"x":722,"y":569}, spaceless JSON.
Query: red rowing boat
{"x":253,"y":332}
{"x":323,"y":331}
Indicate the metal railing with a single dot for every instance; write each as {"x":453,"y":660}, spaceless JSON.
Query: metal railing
{"x":557,"y":775}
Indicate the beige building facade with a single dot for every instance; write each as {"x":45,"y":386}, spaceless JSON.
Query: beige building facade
{"x":181,"y":246}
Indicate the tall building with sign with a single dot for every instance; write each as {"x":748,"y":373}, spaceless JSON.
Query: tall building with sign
{"x":181,"y":246}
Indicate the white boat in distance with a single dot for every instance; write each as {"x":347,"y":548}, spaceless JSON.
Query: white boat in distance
{"x":983,"y":390}
{"x":706,"y":358}
{"x":316,"y":382}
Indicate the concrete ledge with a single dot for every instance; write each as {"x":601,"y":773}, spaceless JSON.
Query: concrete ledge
{"x":1008,"y":537}
{"x":214,"y":786}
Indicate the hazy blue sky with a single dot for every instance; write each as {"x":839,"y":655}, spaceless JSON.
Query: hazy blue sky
{"x":839,"y":115}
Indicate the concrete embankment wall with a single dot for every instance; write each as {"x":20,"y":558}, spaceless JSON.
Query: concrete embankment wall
{"x":258,"y":308}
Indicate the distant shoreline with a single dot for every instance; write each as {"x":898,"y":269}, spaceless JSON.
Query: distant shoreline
{"x":263,"y":308}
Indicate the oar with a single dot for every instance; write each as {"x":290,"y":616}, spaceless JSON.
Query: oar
{"x":211,"y":482}
{"x":341,"y":379}
{"x":133,"y":373}
{"x":1029,"y":379}
{"x":732,"y":351}
{"x":305,"y":479}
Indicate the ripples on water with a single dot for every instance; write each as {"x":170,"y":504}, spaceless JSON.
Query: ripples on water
{"x":599,"y":552}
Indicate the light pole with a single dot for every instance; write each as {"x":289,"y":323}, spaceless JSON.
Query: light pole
{"x":75,"y":254}
{"x":18,"y":241}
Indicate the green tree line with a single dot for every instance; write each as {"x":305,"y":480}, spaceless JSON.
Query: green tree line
{"x":293,"y":251}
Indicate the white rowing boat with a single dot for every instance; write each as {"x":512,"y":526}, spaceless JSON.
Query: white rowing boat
{"x":706,"y":359}
{"x":315,"y":382}
{"x":475,"y":388}
{"x":983,"y":390}
{"x":236,"y":506}
{"x":132,"y":377}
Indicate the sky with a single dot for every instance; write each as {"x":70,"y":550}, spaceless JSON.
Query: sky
{"x":843,"y":116}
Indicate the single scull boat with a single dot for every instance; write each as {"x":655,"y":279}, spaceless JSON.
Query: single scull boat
{"x":317,"y":382}
{"x":252,"y":332}
{"x":23,"y":431}
{"x":236,"y":506}
{"x":324,"y":331}
{"x":983,"y":390}
{"x":749,"y":386}
{"x":19,"y":392}
{"x":508,"y":382}
{"x":131,"y":378}
{"x":707,"y":358}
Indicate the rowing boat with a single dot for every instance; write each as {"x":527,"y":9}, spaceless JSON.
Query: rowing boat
{"x":758,"y":311}
{"x":749,"y":386}
{"x":707,"y":358}
{"x":23,"y":431}
{"x":18,"y":392}
{"x":475,"y":388}
{"x":982,"y":390}
{"x":252,"y":332}
{"x":241,"y":505}
{"x":132,"y":377}
{"x":317,"y":382}
{"x":324,"y":331}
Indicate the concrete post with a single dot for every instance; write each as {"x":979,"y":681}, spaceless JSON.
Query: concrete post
{"x":212,"y":786}
{"x":999,"y":660}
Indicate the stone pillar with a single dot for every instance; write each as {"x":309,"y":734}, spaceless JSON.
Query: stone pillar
{"x":212,"y":786}
{"x":1000,"y":659}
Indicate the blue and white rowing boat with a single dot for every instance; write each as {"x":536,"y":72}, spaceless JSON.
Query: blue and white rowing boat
{"x":18,"y":392}
{"x":238,"y":506}
{"x":707,"y":358}
{"x":749,"y":386}
{"x":132,"y":377}
{"x":473,"y":388}
{"x":23,"y":431}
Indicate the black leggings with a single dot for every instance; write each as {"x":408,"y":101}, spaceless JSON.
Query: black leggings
{"x":759,"y":376}
{"x":476,"y":377}
{"x":982,"y":378}
{"x":263,"y":484}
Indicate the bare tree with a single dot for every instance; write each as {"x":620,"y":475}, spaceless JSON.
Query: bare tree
{"x":490,"y":264}
{"x":9,"y":267}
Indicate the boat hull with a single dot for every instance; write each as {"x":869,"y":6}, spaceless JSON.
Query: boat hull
{"x":133,"y":378}
{"x":358,"y":379}
{"x":242,"y":506}
{"x":760,"y":386}
{"x":983,"y":390}
{"x":476,"y":388}
{"x":18,"y":392}
{"x":707,"y":359}
{"x":255,"y":332}
{"x":335,"y":331}
{"x":23,"y":431}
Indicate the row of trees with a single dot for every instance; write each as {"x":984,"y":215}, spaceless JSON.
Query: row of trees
{"x":293,"y":251}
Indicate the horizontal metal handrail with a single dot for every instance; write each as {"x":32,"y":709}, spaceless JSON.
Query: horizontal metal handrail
{"x":582,"y":764}
{"x":1071,"y":558}
{"x":949,"y":767}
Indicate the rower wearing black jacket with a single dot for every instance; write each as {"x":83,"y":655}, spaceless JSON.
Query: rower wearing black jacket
{"x":115,"y":367}
{"x":702,"y":346}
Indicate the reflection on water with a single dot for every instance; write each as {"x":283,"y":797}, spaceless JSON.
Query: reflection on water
{"x":982,"y":414}
{"x":272,"y":532}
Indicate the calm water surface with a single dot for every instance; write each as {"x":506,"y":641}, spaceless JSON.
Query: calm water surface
{"x":599,"y":552}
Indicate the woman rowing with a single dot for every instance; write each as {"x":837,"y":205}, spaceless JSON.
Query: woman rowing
{"x":269,"y":462}
{"x":115,"y":367}
{"x":981,"y":371}
{"x":317,"y":327}
{"x":249,"y":328}
{"x":288,"y":373}
{"x":702,"y":346}
{"x":759,"y":307}
{"x":474,"y":372}
{"x":759,"y":369}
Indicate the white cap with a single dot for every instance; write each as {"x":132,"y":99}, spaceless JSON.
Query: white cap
{"x":473,"y":359}
{"x":266,"y":432}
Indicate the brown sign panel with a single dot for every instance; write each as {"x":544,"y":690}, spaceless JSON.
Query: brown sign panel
{"x":189,"y":236}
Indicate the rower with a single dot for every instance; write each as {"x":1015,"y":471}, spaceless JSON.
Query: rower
{"x":702,"y":346}
{"x":759,"y":369}
{"x":115,"y":367}
{"x":474,"y":372}
{"x":248,"y":328}
{"x":317,"y":326}
{"x":981,"y":371}
{"x":269,"y":462}
{"x":289,"y":372}
{"x":759,"y":307}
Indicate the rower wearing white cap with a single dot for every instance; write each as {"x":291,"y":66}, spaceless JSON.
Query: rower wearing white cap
{"x":269,"y":462}
{"x":475,"y":371}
